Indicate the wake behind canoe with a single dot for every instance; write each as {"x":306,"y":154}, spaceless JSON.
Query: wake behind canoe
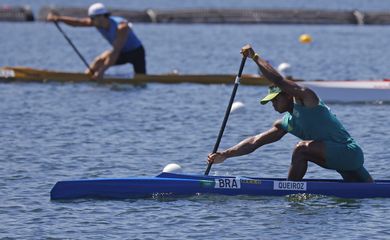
{"x":186,"y":185}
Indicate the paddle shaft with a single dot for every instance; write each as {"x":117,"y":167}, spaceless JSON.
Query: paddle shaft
{"x":227,"y":113}
{"x":73,"y":46}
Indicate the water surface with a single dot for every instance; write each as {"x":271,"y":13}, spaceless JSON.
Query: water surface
{"x":52,"y":132}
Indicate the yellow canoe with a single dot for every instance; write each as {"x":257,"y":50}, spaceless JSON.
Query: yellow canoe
{"x":25,"y":74}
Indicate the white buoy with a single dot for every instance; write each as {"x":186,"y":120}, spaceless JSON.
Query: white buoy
{"x":284,"y":69}
{"x":237,"y":106}
{"x":172,"y":168}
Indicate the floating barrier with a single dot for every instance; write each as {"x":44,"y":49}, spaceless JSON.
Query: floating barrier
{"x":377,"y":18}
{"x":16,"y":13}
{"x":262,"y":16}
{"x":248,"y":16}
{"x":256,"y":16}
{"x":131,"y":15}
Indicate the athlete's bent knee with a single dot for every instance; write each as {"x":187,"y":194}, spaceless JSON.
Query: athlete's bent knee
{"x":301,"y":148}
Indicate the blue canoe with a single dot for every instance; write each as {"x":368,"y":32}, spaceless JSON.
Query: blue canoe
{"x":185,"y":185}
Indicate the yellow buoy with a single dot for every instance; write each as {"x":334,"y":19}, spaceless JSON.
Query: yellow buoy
{"x":305,"y":38}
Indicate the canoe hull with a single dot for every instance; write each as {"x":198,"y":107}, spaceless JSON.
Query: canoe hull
{"x":24,"y":74}
{"x":351,"y":91}
{"x":187,"y":185}
{"x":329,"y":91}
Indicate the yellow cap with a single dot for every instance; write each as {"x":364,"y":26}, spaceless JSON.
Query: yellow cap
{"x":273,"y":91}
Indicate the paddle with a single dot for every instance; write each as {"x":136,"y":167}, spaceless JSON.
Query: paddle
{"x":229,"y":107}
{"x":73,"y":46}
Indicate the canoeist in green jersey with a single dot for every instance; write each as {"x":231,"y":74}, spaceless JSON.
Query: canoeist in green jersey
{"x":324,"y":140}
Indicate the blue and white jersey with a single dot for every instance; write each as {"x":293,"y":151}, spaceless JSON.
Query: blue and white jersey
{"x":132,"y":41}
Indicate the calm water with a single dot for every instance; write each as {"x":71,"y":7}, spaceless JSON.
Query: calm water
{"x":52,"y":132}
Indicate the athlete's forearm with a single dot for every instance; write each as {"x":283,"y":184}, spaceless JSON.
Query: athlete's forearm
{"x":268,"y":71}
{"x":273,"y":76}
{"x":244,"y":147}
{"x":110,"y":60}
{"x":252,"y":143}
{"x":76,"y":22}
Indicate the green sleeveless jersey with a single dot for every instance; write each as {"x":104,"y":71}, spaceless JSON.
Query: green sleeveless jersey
{"x":315,"y":123}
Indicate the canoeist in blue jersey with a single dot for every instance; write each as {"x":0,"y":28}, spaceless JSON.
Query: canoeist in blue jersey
{"x":127,"y":48}
{"x":324,"y":140}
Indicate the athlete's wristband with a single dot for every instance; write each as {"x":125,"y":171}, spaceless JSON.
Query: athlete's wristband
{"x":255,"y":56}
